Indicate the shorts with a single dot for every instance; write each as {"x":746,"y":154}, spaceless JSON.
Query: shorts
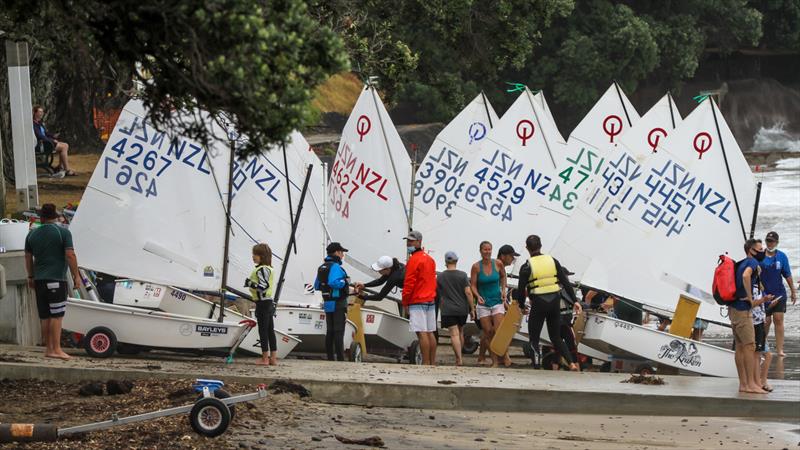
{"x":761,"y":337}
{"x":780,"y":307}
{"x":51,"y":298}
{"x":742,"y":326}
{"x":422,"y":317}
{"x":450,"y":321}
{"x":488,"y":311}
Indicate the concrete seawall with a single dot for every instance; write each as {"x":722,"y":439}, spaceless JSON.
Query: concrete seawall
{"x":464,"y":388}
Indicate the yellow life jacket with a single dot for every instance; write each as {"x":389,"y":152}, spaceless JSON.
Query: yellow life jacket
{"x":267,"y":295}
{"x":543,"y":278}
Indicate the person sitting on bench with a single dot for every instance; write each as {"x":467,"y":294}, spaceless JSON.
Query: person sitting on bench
{"x":62,"y":148}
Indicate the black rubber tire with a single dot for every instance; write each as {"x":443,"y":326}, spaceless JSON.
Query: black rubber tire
{"x":100,"y":342}
{"x":415,"y":354}
{"x":550,"y":358}
{"x":222,"y":394}
{"x":470,"y":345}
{"x":354,"y":353}
{"x":209,"y":417}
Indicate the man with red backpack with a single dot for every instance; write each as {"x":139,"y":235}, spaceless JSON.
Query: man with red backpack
{"x":747,"y":273}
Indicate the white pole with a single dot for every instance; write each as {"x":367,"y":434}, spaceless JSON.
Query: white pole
{"x":23,"y":139}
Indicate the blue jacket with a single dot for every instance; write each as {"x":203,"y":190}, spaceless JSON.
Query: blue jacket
{"x":337,"y":278}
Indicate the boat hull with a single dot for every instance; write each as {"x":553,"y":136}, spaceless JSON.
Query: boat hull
{"x":149,"y":328}
{"x":386,"y":333}
{"x":176,"y":301}
{"x":308,"y":325}
{"x":623,"y":339}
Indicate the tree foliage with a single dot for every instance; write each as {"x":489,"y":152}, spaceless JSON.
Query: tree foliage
{"x":256,"y":61}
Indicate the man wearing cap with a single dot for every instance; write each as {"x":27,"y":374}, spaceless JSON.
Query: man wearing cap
{"x":454,"y":296}
{"x":774,"y":269}
{"x":48,"y":252}
{"x":419,"y":296}
{"x":333,"y":283}
{"x":393,"y":274}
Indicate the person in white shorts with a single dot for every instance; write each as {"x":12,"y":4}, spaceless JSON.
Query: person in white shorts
{"x":419,"y":296}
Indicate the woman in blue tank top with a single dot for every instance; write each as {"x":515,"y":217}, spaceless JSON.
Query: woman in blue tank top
{"x":488,"y":283}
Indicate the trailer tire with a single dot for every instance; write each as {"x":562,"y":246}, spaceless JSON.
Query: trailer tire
{"x":415,"y":354}
{"x":100,"y":342}
{"x":210,"y":417}
{"x":354,"y":353}
{"x":470,"y":345}
{"x":222,"y":394}
{"x":645,"y":369}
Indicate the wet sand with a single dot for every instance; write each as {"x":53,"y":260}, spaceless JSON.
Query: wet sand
{"x":286,"y":421}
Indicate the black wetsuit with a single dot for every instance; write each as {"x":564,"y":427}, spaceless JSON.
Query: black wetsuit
{"x":545,"y":308}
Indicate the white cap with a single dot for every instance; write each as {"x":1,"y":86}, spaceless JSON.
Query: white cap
{"x":384,"y":262}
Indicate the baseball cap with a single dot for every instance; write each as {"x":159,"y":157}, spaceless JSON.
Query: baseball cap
{"x":334,"y":247}
{"x":384,"y":262}
{"x":413,"y":235}
{"x":507,"y":250}
{"x":450,"y":256}
{"x":772,"y":236}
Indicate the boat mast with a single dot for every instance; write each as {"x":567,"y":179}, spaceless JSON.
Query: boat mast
{"x":291,"y":243}
{"x":755,"y":211}
{"x":727,"y":167}
{"x":371,"y":87}
{"x":288,"y":188}
{"x":224,"y":283}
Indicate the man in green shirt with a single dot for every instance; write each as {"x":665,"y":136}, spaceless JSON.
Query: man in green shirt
{"x":48,"y":250}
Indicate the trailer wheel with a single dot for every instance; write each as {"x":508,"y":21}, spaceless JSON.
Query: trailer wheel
{"x":415,"y":354}
{"x":354,"y":353}
{"x":210,"y":417}
{"x":100,"y":342}
{"x":470,"y":345}
{"x":222,"y":394}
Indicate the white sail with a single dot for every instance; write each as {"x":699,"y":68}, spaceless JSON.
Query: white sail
{"x":591,"y":144}
{"x":152,"y":209}
{"x":507,"y":189}
{"x":682,"y":214}
{"x":261,"y":212}
{"x":370,"y":185}
{"x":585,"y":236}
{"x":442,"y":175}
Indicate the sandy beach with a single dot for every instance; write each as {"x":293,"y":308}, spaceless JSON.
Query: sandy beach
{"x":286,"y":421}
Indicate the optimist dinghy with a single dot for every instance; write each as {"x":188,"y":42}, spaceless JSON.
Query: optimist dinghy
{"x":105,"y":326}
{"x":157,"y":209}
{"x":176,"y":301}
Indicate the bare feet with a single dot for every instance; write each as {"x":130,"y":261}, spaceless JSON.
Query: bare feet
{"x":459,"y":362}
{"x":495,"y":365}
{"x":58,"y":355}
{"x":767,"y":388}
{"x":574,"y":367}
{"x":755,"y":390}
{"x":262,"y":362}
{"x":781,"y":354}
{"x":507,"y":361}
{"x":273,"y":361}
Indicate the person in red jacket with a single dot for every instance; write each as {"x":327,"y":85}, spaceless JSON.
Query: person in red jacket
{"x":419,"y":296}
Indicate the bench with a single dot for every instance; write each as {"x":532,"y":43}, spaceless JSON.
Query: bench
{"x":45,"y":151}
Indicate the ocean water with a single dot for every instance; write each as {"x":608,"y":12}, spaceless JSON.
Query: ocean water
{"x":779,"y":211}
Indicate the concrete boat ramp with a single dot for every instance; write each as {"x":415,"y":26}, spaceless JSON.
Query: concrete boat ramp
{"x":442,"y":387}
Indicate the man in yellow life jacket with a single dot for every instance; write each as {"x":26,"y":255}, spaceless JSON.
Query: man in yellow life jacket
{"x":541,"y":279}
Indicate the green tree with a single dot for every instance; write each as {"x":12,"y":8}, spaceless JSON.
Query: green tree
{"x":256,"y":61}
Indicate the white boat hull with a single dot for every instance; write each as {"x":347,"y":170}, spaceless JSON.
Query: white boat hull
{"x":175,"y":301}
{"x":623,"y":339}
{"x":544,"y":338}
{"x":148,"y":328}
{"x":386,"y":333}
{"x":308,"y":324}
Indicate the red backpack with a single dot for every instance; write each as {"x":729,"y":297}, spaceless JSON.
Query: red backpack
{"x":724,"y":285}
